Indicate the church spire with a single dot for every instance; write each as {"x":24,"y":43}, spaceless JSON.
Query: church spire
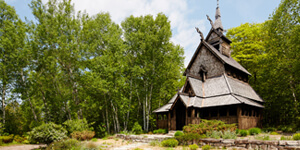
{"x":218,"y":23}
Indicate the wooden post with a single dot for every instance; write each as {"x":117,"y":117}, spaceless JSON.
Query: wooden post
{"x":239,"y":117}
{"x":169,"y":120}
{"x":193,"y":116}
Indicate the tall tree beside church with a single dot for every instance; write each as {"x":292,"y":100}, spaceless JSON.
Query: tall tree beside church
{"x":157,"y":62}
{"x":283,"y":65}
{"x":12,"y":34}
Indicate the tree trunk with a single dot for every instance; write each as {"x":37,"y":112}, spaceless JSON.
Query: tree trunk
{"x":3,"y":101}
{"x":29,"y":99}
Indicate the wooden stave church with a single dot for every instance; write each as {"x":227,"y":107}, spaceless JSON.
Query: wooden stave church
{"x":216,"y":87}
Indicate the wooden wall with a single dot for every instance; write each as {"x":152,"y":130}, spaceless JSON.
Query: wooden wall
{"x":211,"y":63}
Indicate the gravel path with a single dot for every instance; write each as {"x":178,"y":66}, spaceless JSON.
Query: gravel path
{"x":130,"y":146}
{"x":21,"y":147}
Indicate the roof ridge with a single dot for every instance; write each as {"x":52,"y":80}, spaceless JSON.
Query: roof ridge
{"x":226,"y":80}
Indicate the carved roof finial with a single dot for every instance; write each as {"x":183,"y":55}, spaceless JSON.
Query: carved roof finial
{"x":201,"y":34}
{"x":218,"y":23}
{"x":211,"y":22}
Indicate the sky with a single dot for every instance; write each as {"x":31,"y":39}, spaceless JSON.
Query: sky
{"x":184,"y":15}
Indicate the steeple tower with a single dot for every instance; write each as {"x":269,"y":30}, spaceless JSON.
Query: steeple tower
{"x":218,"y":23}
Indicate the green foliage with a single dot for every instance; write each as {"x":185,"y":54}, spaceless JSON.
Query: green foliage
{"x":94,"y":139}
{"x":154,"y":143}
{"x":254,"y":131}
{"x":83,"y":135}
{"x":274,"y":133}
{"x":269,"y":129}
{"x":63,"y":144}
{"x":7,"y":139}
{"x":76,"y":125}
{"x":286,"y":138}
{"x":206,"y":147}
{"x":47,"y":133}
{"x":193,"y":147}
{"x":169,"y":143}
{"x":19,"y":139}
{"x":208,"y":126}
{"x":229,"y":135}
{"x":160,"y":131}
{"x":137,"y":128}
{"x":296,"y":136}
{"x":264,"y":137}
{"x":243,"y":132}
{"x":178,"y":133}
{"x":189,"y":137}
{"x":214,"y":134}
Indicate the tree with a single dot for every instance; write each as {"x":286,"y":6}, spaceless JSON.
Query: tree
{"x":156,"y":61}
{"x":12,"y":35}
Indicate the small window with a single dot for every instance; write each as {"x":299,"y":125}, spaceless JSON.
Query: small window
{"x":159,"y":117}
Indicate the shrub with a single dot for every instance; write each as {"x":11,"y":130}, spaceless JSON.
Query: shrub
{"x":178,"y":133}
{"x":137,"y":128}
{"x":254,"y":131}
{"x":269,"y":129}
{"x":83,"y":135}
{"x":169,"y":143}
{"x":76,"y":125}
{"x":154,"y":143}
{"x":63,"y":144}
{"x":47,"y":133}
{"x":19,"y":139}
{"x":188,"y":137}
{"x":274,"y":133}
{"x":193,"y":147}
{"x":206,"y":147}
{"x":94,"y":139}
{"x":229,"y":135}
{"x":214,"y":134}
{"x":243,"y":133}
{"x":7,"y":139}
{"x":160,"y":131}
{"x":296,"y":136}
{"x":285,"y":138}
{"x":208,"y":126}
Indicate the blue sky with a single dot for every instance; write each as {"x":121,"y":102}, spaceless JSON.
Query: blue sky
{"x":184,"y":15}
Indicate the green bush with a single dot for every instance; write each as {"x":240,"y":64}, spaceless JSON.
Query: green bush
{"x":154,"y":143}
{"x":76,"y":125}
{"x":47,"y":133}
{"x":229,"y":135}
{"x":19,"y":139}
{"x":94,"y":139}
{"x":206,"y":147}
{"x":178,"y":133}
{"x":7,"y":139}
{"x":286,"y":138}
{"x":160,"y":131}
{"x":137,"y":128}
{"x":63,"y":144}
{"x":193,"y":147}
{"x":243,"y":132}
{"x":208,"y":126}
{"x":254,"y":131}
{"x":269,"y":129}
{"x":188,"y":137}
{"x":83,"y":135}
{"x":214,"y":134}
{"x":169,"y":143}
{"x":274,"y":133}
{"x":296,"y":136}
